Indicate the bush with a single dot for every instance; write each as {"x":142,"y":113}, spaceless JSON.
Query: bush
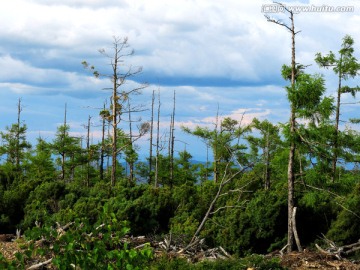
{"x":97,"y":246}
{"x":345,"y":229}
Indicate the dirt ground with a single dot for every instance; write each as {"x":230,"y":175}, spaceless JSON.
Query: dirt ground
{"x":294,"y":261}
{"x":8,"y":249}
{"x":315,"y":260}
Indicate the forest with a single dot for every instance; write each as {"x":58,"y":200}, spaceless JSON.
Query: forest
{"x":267,"y":188}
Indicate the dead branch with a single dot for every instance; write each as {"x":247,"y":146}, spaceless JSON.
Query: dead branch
{"x":223,"y":250}
{"x":338,"y":252}
{"x":297,"y":239}
{"x":226,"y":207}
{"x":40,"y":265}
{"x":282,"y":250}
{"x":61,"y":229}
{"x":346,"y":209}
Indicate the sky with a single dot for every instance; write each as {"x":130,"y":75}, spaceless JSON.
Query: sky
{"x":216,"y":55}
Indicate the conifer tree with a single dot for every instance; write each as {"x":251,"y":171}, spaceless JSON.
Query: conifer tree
{"x":69,"y":151}
{"x":267,"y":144}
{"x":41,"y":166}
{"x":224,"y":142}
{"x":346,"y":66}
{"x":14,"y":145}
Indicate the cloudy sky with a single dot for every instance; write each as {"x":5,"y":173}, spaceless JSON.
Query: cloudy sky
{"x":214,"y":54}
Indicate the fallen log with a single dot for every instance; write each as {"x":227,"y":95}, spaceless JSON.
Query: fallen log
{"x":338,"y":252}
{"x":38,"y":265}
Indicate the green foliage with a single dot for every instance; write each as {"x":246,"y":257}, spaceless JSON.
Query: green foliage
{"x":68,"y":151}
{"x":224,"y":141}
{"x":39,"y":164}
{"x":14,"y":143}
{"x":317,"y":209}
{"x":97,"y":246}
{"x":147,"y":209}
{"x":186,"y":218}
{"x":306,"y":94}
{"x":346,"y":65}
{"x":43,"y":202}
{"x":345,"y":229}
{"x":12,"y":265}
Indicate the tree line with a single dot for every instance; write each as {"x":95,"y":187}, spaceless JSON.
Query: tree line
{"x":267,"y":186}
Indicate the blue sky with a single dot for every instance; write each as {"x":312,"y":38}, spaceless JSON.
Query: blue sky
{"x":212,"y":53}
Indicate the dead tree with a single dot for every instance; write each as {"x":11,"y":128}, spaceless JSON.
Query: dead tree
{"x":171,"y":143}
{"x":130,"y":162}
{"x":88,"y":153}
{"x":102,"y":149}
{"x":17,"y":154}
{"x":119,"y":76}
{"x":227,"y":177}
{"x":151,"y":136}
{"x":291,"y":162}
{"x":157,"y":143}
{"x":63,"y":155}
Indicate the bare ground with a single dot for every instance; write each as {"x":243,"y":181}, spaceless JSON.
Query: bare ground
{"x":294,"y":261}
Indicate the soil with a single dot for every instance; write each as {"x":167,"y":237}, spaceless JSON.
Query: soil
{"x":294,"y":261}
{"x":9,"y":249}
{"x":315,"y":260}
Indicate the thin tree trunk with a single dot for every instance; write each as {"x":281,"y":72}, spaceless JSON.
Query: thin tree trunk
{"x":172,"y":139}
{"x":102,"y":151}
{"x":225,"y":180}
{"x":297,"y":239}
{"x":291,"y":161}
{"x":151,"y":136}
{"x":17,"y":150}
{"x":291,"y":173}
{"x":157,"y":144}
{"x":114,"y":119}
{"x":207,"y":162}
{"x":63,"y":155}
{"x":130,"y":162}
{"x":108,"y":171}
{"x":337,"y":120}
{"x":88,"y":153}
{"x":216,"y":161}
{"x":267,"y":162}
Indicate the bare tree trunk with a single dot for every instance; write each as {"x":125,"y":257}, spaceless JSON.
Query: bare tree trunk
{"x":216,"y":161}
{"x":63,"y":155}
{"x":172,"y":139}
{"x":102,"y":151}
{"x":88,"y":153}
{"x":151,"y":136}
{"x":291,"y":173}
{"x":207,"y":162}
{"x":297,"y":239}
{"x":157,"y":144}
{"x":17,"y":150}
{"x":108,"y":171}
{"x":267,"y":163}
{"x":291,"y":161}
{"x":131,"y":162}
{"x":115,"y":105}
